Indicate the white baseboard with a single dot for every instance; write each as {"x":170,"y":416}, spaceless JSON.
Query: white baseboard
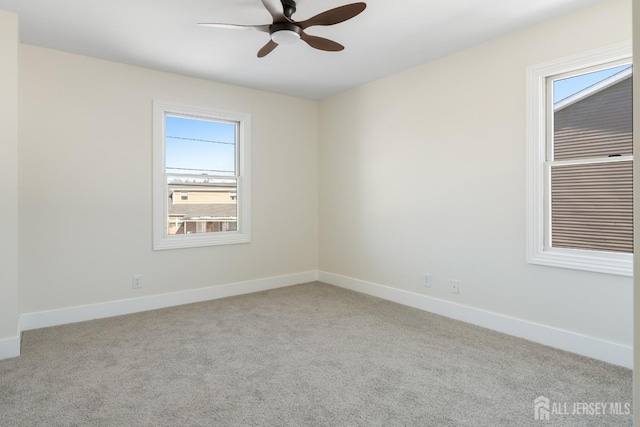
{"x":63,"y":316}
{"x":616,"y":354}
{"x":9,"y":347}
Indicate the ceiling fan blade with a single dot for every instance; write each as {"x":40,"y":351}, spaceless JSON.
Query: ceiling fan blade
{"x":321,"y":43}
{"x":262,"y":28}
{"x":276,"y":10}
{"x":334,"y":16}
{"x":267,"y":48}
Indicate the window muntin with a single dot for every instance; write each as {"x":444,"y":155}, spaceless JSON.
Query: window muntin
{"x":201,"y":170}
{"x":580,"y":162}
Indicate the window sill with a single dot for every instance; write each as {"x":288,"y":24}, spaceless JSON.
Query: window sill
{"x":200,"y":239}
{"x":598,"y":262}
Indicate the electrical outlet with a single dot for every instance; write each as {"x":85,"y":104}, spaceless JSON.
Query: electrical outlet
{"x":137,"y":281}
{"x":427,"y":280}
{"x":455,"y":286}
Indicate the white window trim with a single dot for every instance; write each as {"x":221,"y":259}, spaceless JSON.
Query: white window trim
{"x":537,"y":253}
{"x":161,"y":239}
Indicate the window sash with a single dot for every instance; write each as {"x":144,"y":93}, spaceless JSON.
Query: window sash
{"x":206,"y":203}
{"x":590,"y":205}
{"x":198,"y":173}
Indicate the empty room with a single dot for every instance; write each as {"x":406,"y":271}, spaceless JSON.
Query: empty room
{"x":317,"y":213}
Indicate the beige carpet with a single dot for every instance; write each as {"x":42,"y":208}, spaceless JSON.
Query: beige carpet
{"x":307,"y":355}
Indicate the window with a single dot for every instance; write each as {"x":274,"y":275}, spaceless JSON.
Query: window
{"x":201,"y":171}
{"x":580,"y":160}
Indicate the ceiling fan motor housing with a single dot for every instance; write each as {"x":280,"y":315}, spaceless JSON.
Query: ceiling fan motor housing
{"x":285,"y":33}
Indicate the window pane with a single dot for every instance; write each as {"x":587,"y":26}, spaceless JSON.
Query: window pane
{"x":592,"y":206}
{"x":201,"y":205}
{"x":594,"y":118}
{"x":196,"y":146}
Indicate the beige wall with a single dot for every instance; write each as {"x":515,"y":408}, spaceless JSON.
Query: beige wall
{"x":9,"y":303}
{"x":636,"y":207}
{"x":424,"y":171}
{"x":85,"y":183}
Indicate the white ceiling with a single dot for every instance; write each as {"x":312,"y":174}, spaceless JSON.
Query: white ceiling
{"x":389,"y":36}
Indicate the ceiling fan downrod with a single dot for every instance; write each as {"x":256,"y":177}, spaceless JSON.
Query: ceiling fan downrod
{"x":289,"y":7}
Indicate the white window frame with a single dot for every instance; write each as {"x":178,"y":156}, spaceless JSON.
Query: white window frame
{"x":161,"y":238}
{"x":538,"y":199}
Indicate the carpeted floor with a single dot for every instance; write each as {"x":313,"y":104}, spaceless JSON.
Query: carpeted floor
{"x":307,"y":355}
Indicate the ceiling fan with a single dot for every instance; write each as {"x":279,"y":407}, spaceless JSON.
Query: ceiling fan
{"x":285,"y":30}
